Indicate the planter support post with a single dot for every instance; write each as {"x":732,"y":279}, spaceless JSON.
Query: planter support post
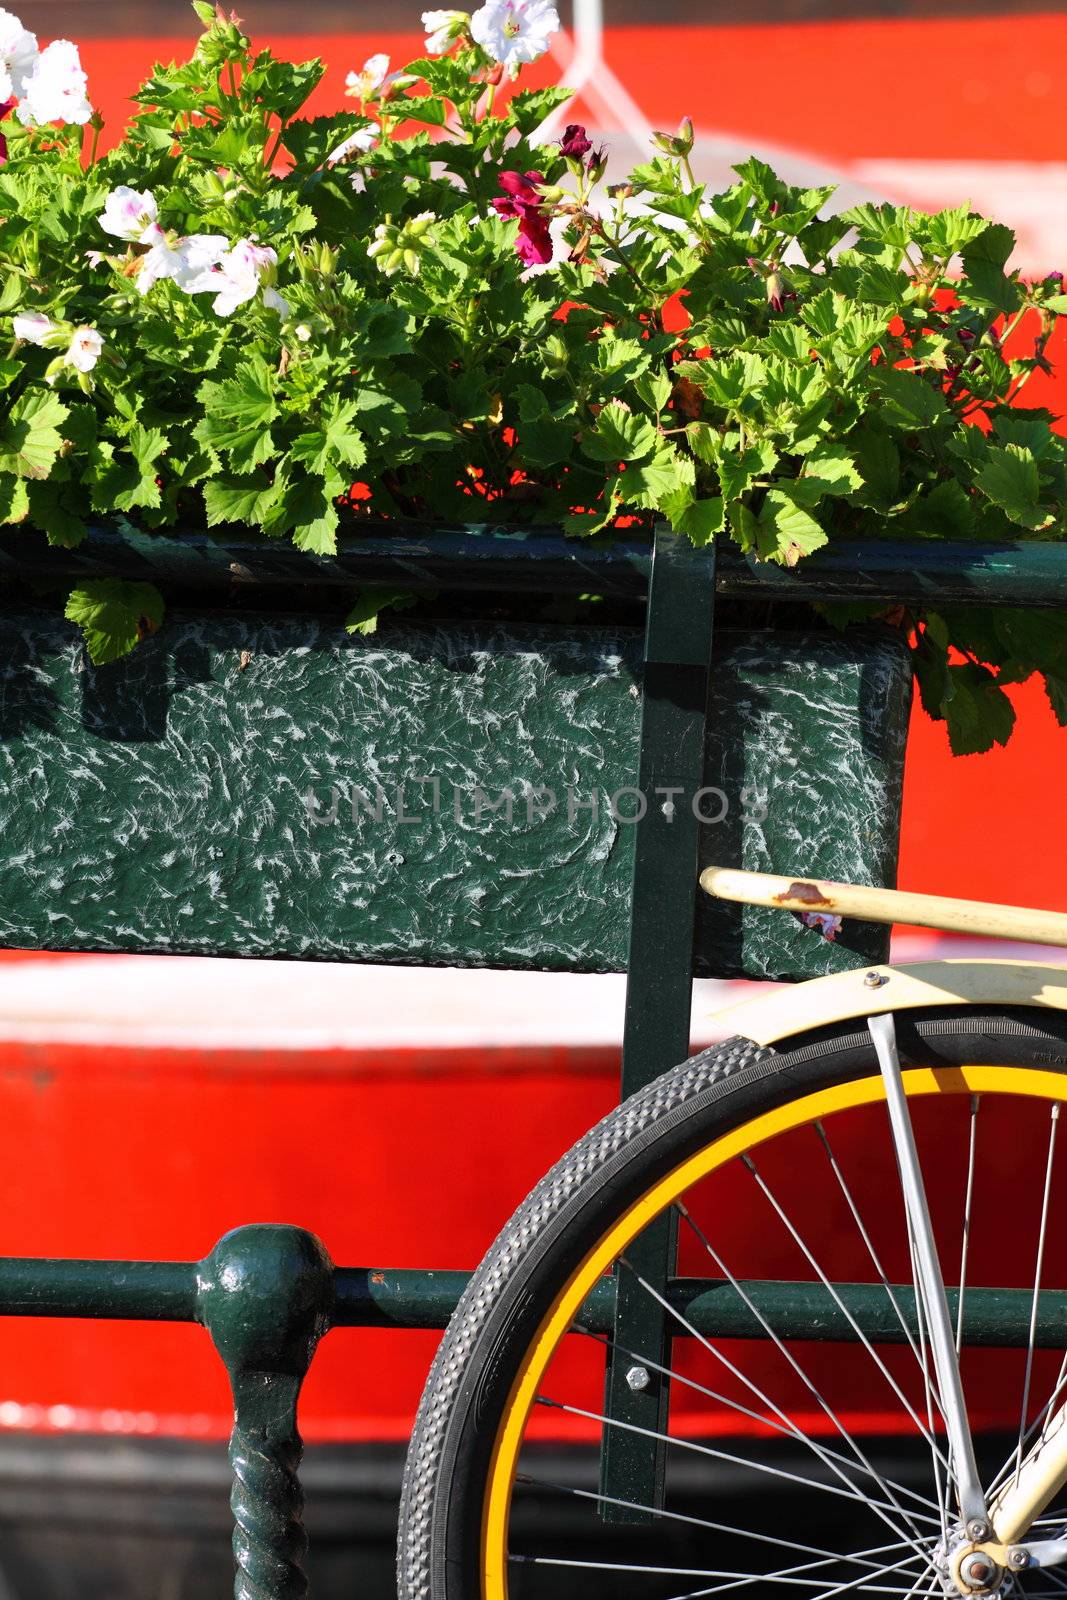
{"x":266,"y":1296}
{"x":659,"y":984}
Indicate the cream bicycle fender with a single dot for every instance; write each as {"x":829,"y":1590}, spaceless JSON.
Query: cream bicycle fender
{"x":796,"y":1008}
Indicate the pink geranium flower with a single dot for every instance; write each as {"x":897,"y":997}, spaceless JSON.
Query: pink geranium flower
{"x":521,"y":200}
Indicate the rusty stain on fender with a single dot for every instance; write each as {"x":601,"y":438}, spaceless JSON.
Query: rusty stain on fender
{"x":809,"y":894}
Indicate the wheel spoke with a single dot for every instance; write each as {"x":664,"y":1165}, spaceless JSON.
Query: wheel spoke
{"x":972,"y":1147}
{"x":716,"y":1454}
{"x":790,"y":1426}
{"x":858,"y":1585}
{"x":788,"y":1355}
{"x":789,"y":1575}
{"x":1038,"y":1269}
{"x":857,"y":1558}
{"x":794,"y":1234}
{"x":787,"y":1429}
{"x":865,"y":1236}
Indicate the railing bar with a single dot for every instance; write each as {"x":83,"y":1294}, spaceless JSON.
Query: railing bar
{"x":944,"y":572}
{"x":167,"y":1291}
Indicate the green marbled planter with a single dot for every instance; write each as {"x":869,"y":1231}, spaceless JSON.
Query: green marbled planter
{"x":235,"y":788}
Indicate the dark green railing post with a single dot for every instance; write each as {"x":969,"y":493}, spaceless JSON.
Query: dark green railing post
{"x":265,"y":1296}
{"x":659,"y":987}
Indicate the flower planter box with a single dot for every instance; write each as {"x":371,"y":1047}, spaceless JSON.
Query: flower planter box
{"x":264,"y":784}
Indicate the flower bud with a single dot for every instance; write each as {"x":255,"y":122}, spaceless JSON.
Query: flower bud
{"x":597,"y":164}
{"x":775,"y":290}
{"x":684,"y":137}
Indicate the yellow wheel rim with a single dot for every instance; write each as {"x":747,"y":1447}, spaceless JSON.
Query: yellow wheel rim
{"x":1029,"y":1082}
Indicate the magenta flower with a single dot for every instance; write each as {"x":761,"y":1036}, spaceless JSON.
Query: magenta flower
{"x":521,"y":200}
{"x":575,"y":141}
{"x":5,"y":110}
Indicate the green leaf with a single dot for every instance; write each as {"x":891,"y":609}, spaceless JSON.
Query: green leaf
{"x":994,"y":244}
{"x":114,"y":615}
{"x":833,"y":469}
{"x":985,"y":285}
{"x":738,"y":470}
{"x":649,"y":483}
{"x":654,"y":389}
{"x":948,"y":232}
{"x":14,"y":499}
{"x":946,"y":512}
{"x":762,"y":180}
{"x":428,"y":109}
{"x":238,"y":413}
{"x":701,"y":520}
{"x":529,"y":108}
{"x":704,"y":441}
{"x":334,"y":441}
{"x":370,"y":603}
{"x":619,"y":435}
{"x":240,"y":500}
{"x":29,"y":437}
{"x":1012,"y":482}
{"x":51,"y":510}
{"x":786,"y":530}
{"x":889,"y":225}
{"x":283,"y":86}
{"x":978,"y":712}
{"x":1056,"y":689}
{"x":878,"y":460}
{"x":908,"y":400}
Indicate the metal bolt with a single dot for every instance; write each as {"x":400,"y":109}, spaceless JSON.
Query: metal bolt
{"x":978,"y":1529}
{"x":1018,"y":1557}
{"x":638,"y":1378}
{"x":978,"y":1570}
{"x":875,"y":980}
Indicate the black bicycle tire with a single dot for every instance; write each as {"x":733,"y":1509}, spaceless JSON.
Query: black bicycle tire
{"x":637,"y":1143}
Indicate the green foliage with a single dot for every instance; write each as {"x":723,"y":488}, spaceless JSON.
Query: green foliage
{"x":114,"y":616}
{"x":846,"y":376}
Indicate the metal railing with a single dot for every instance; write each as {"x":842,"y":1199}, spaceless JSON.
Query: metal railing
{"x":267,"y":1294}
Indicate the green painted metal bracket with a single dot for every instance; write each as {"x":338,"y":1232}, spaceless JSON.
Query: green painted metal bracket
{"x":659,"y":987}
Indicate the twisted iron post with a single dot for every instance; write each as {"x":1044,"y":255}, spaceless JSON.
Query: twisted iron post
{"x":265,"y":1296}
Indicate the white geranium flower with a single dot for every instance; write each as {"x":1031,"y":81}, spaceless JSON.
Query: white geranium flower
{"x":515,"y":32}
{"x":131,"y":214}
{"x":55,"y":89}
{"x":442,"y":29}
{"x":182,"y":261}
{"x":373,"y":76}
{"x":33,"y":327}
{"x":238,"y":276}
{"x":18,"y":52}
{"x":85,"y":347}
{"x":362,"y":140}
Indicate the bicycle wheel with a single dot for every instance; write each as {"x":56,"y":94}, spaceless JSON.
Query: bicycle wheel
{"x":795,"y":1466}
